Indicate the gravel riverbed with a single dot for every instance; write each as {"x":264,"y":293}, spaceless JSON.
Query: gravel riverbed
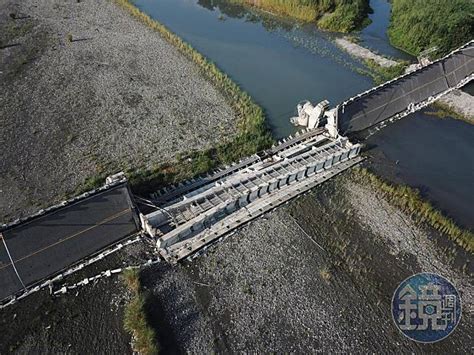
{"x":87,"y":89}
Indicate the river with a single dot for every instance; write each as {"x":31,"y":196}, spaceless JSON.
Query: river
{"x":280,"y":62}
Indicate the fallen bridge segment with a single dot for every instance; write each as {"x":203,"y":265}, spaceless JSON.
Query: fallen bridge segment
{"x":221,"y":204}
{"x":393,"y":100}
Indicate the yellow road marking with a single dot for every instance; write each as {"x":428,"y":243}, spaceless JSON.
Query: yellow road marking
{"x":108,"y":219}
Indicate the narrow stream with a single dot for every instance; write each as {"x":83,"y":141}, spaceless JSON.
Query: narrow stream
{"x":375,"y":37}
{"x":281,"y":62}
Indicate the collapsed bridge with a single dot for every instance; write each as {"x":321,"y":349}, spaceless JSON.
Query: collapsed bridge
{"x":207,"y":209}
{"x":186,"y":218}
{"x":394,"y":99}
{"x":198,"y":213}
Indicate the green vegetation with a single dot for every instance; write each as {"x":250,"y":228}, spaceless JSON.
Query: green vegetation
{"x":410,"y":201}
{"x":382,"y":74}
{"x":332,"y":15}
{"x":417,"y":25}
{"x":252,"y":134}
{"x":91,"y":183}
{"x":135,"y":321}
{"x":347,"y":16}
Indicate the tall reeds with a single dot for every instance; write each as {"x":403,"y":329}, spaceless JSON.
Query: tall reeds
{"x":332,"y":15}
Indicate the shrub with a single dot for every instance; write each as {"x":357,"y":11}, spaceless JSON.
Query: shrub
{"x":382,"y":74}
{"x":417,"y":25}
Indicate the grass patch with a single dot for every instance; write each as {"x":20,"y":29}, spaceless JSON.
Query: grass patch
{"x":382,"y":74}
{"x":252,"y":134}
{"x":409,"y":200}
{"x":297,"y":9}
{"x":135,"y":320}
{"x":325,"y":274}
{"x":91,"y":183}
{"x":347,"y":16}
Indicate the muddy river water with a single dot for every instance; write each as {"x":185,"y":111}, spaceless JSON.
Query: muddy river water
{"x":280,"y":63}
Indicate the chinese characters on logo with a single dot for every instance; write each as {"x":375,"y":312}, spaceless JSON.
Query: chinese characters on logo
{"x":426,"y":307}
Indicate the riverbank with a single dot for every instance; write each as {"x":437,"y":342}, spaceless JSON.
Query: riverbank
{"x":410,"y":202}
{"x":360,"y":52}
{"x":380,"y":68}
{"x":251,"y":135}
{"x":86,"y":90}
{"x":457,"y":104}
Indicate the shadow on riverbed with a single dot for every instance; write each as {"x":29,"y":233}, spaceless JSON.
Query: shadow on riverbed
{"x":165,"y":336}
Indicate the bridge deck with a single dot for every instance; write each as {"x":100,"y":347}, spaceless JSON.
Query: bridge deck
{"x":43,"y":246}
{"x":418,"y":88}
{"x":170,"y":194}
{"x":184,"y":249}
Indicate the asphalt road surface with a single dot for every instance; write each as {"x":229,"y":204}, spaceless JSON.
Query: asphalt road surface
{"x":48,"y":244}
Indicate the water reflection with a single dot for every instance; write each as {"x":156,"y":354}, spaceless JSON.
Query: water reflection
{"x":435,"y":155}
{"x":268,"y":21}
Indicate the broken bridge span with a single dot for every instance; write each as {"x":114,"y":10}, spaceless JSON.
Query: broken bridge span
{"x":186,"y":218}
